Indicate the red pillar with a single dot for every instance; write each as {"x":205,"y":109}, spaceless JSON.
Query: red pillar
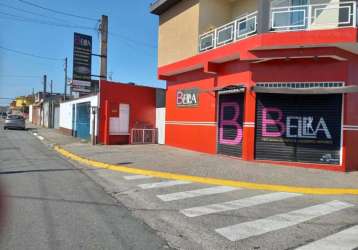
{"x":248,"y":152}
{"x":106,"y":122}
{"x":350,"y":133}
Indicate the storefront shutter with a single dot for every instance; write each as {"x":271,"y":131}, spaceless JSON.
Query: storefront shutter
{"x":299,"y":128}
{"x":230,"y":130}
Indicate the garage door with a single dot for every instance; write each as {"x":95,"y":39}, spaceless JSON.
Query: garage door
{"x":56,"y":118}
{"x":299,"y":128}
{"x":230,"y":132}
{"x":83,"y":117}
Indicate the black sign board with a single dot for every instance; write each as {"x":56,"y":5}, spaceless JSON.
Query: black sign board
{"x":82,"y":57}
{"x":188,"y":97}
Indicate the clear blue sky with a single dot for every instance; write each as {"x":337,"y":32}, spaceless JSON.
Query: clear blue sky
{"x":132,"y":51}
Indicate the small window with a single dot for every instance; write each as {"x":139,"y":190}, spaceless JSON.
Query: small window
{"x":124,"y":118}
{"x":120,"y":125}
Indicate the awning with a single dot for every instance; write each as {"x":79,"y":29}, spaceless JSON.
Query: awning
{"x":306,"y":91}
{"x":229,"y":89}
{"x":160,"y":6}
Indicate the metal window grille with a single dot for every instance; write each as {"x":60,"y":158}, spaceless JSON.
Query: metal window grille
{"x":228,"y":33}
{"x":301,"y":17}
{"x":301,"y":85}
{"x":143,"y":136}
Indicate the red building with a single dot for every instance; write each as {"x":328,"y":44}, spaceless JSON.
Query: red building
{"x":119,"y":114}
{"x":124,"y":107}
{"x":277,"y":84}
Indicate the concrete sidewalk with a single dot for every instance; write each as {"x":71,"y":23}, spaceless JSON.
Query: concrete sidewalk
{"x":178,"y":161}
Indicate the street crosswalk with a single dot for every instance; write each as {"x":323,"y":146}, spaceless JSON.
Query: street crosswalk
{"x":162,"y":184}
{"x":196,"y":193}
{"x":237,"y":204}
{"x":280,"y":221}
{"x":343,"y":240}
{"x":137,"y":177}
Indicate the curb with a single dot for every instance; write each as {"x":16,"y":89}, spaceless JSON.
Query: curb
{"x":207,"y":180}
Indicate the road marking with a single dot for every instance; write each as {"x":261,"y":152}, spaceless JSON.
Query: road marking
{"x":344,"y":240}
{"x":280,"y":221}
{"x":207,"y":180}
{"x":196,"y":193}
{"x":162,"y":184}
{"x":39,"y":136}
{"x":237,"y":204}
{"x":137,"y":177}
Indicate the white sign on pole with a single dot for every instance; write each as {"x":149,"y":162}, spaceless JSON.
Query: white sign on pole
{"x":81,"y":83}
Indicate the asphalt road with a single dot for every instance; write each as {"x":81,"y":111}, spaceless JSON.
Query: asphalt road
{"x":50,"y":204}
{"x":55,"y":204}
{"x":198,"y":216}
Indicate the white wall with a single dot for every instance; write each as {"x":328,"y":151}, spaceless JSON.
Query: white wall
{"x":66,"y":112}
{"x":30,"y":113}
{"x":160,"y":124}
{"x":46,"y":113}
{"x":56,"y":117}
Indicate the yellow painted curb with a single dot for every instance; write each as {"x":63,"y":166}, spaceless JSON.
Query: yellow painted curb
{"x":206,"y":180}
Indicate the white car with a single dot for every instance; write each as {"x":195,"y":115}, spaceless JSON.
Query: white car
{"x":14,"y":122}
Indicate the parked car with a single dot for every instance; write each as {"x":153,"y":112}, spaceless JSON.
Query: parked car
{"x":3,"y":115}
{"x":14,"y":122}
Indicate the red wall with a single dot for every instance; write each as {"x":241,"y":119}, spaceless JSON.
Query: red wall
{"x":351,"y":118}
{"x":142,"y":102}
{"x":192,"y":137}
{"x":203,"y":138}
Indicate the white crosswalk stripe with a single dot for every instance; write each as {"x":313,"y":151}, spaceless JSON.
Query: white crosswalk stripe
{"x":344,"y":240}
{"x":162,"y":184}
{"x":237,"y":204}
{"x":280,"y":221}
{"x":137,"y":177}
{"x":196,"y":193}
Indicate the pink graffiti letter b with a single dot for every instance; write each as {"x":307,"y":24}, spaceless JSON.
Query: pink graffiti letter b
{"x":232,"y":122}
{"x":267,"y":121}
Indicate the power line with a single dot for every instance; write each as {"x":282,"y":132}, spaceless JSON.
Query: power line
{"x":57,"y":11}
{"x":31,"y":20}
{"x":33,"y":13}
{"x":124,"y":38}
{"x":29,"y":54}
{"x":132,"y":40}
{"x":18,"y":76}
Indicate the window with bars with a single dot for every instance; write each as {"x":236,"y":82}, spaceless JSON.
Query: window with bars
{"x":301,"y":85}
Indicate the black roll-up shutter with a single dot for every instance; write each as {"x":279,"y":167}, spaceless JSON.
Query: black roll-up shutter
{"x":274,"y":148}
{"x":309,"y":129}
{"x":230,"y":131}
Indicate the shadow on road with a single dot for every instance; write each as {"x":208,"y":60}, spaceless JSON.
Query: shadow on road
{"x":58,"y":200}
{"x":47,"y":170}
{"x":125,"y":163}
{"x":31,"y":129}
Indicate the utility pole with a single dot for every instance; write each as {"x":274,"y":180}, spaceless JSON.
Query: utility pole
{"x":64,"y":98}
{"x":45,"y":84}
{"x":51,"y":87}
{"x":104,"y":41}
